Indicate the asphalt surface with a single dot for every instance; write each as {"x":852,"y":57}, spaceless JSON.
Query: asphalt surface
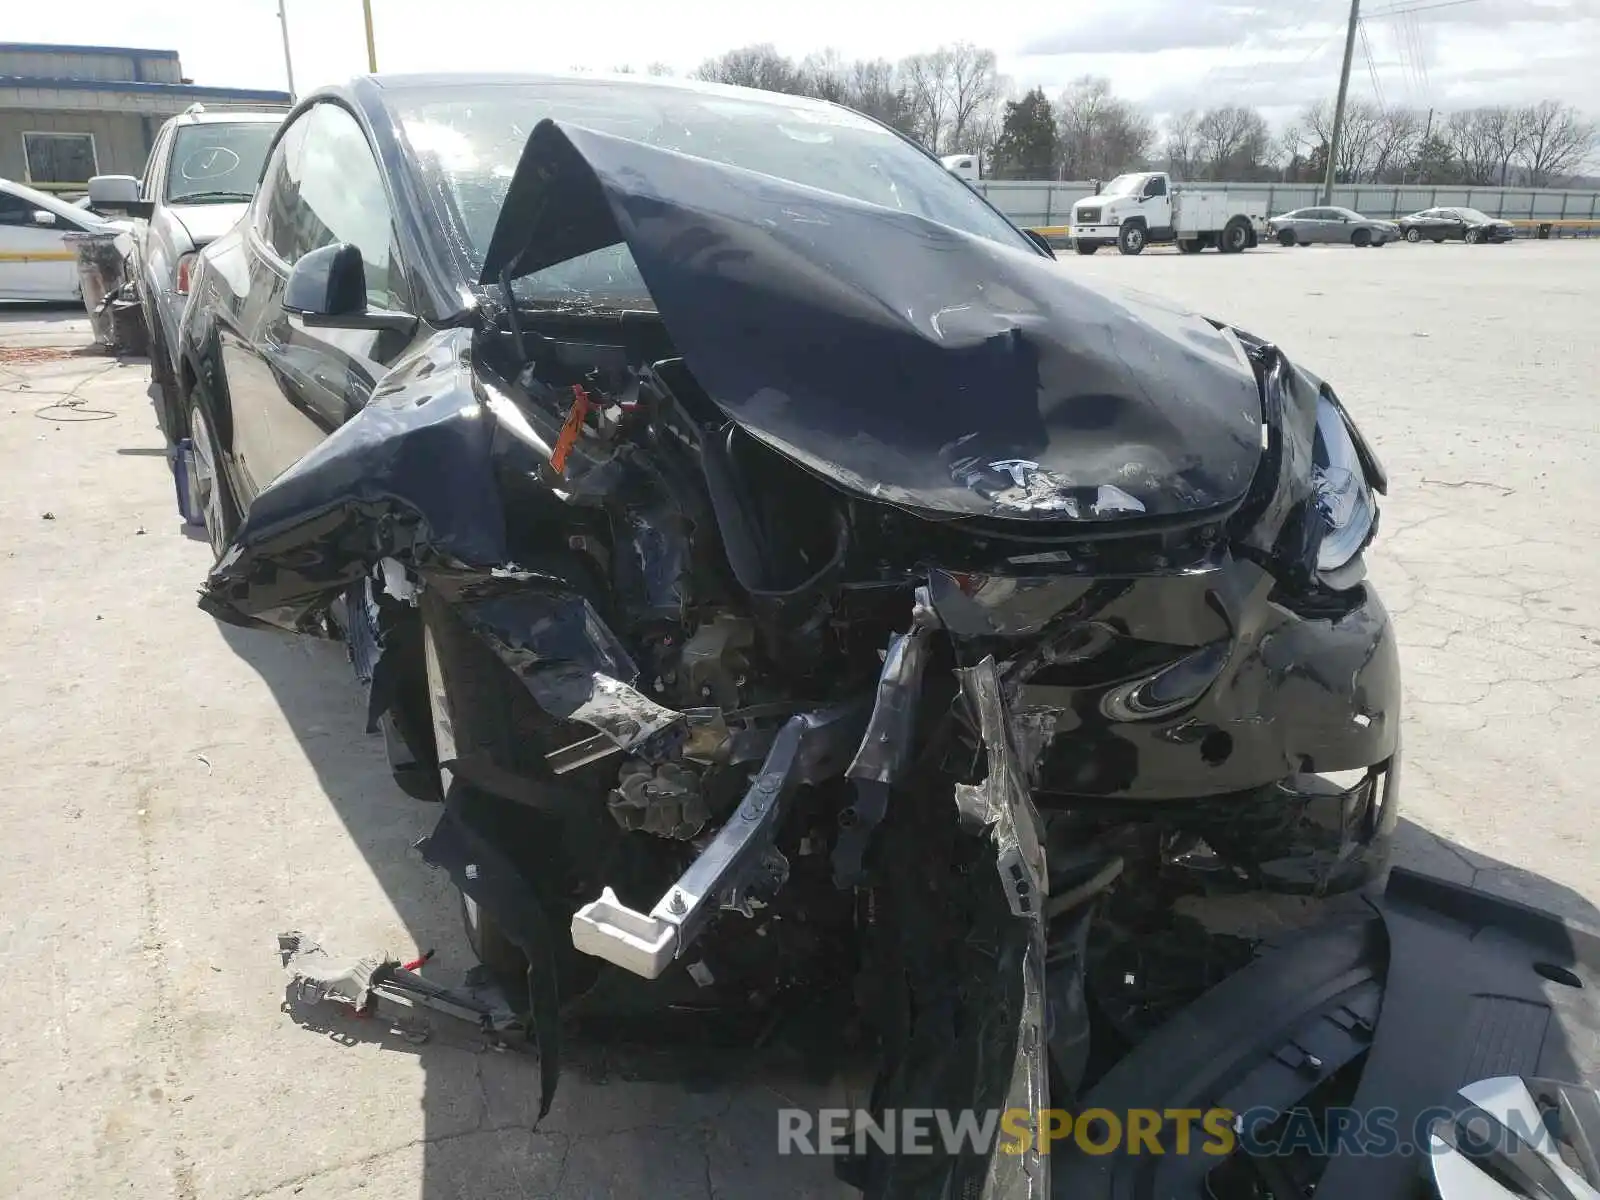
{"x":177,"y":793}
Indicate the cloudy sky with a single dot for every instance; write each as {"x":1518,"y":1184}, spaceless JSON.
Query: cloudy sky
{"x":1170,"y":54}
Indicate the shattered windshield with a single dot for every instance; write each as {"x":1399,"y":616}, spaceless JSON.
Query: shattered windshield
{"x":217,"y":162}
{"x":467,"y":144}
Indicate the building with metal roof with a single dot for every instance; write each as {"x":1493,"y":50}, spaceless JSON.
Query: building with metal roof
{"x":70,"y":112}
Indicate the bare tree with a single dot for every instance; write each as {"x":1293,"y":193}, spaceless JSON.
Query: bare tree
{"x":1504,"y":131}
{"x":1180,"y":144}
{"x":1396,"y":139}
{"x":1233,"y":142}
{"x":1358,"y":138}
{"x":1472,"y":148}
{"x":659,"y":69}
{"x":974,"y":90}
{"x":877,"y":90}
{"x":824,"y":74}
{"x":759,"y":66}
{"x":927,"y":79}
{"x":1557,"y":139}
{"x":1101,"y":134}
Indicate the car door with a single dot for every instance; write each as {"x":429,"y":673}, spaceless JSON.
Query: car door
{"x":1312,"y":225}
{"x":299,"y":383}
{"x":1448,"y":224}
{"x":150,"y":184}
{"x":1157,"y":205}
{"x":35,"y":264}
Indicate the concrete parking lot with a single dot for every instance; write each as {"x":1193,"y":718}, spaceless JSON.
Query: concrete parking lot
{"x":177,"y":792}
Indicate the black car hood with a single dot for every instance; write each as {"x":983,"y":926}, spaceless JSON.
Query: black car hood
{"x":897,"y":356}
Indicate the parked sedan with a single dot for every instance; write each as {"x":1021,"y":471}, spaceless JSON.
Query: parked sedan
{"x":200,"y":176}
{"x":1304,"y":226}
{"x":35,"y":263}
{"x":1458,"y":224}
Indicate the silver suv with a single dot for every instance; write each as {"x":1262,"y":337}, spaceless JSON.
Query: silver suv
{"x":202,"y":171}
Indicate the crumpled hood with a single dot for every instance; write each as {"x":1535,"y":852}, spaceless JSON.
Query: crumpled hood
{"x":206,"y":222}
{"x":896,"y":356}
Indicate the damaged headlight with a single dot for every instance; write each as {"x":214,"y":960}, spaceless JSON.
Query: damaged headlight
{"x":1344,"y":498}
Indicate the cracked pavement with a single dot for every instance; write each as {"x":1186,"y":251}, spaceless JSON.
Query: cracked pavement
{"x":179,"y":792}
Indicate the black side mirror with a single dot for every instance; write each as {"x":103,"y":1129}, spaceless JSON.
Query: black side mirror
{"x":1039,"y":240}
{"x":327,"y":288}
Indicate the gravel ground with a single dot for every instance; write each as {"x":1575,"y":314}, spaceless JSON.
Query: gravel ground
{"x":180,"y":792}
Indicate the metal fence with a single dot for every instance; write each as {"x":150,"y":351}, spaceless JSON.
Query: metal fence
{"x":1046,"y":204}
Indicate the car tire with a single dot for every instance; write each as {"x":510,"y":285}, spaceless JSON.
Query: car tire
{"x":1085,"y":248}
{"x":1131,"y":239}
{"x":1413,"y":235}
{"x":1286,"y":238}
{"x":1361,"y":238}
{"x":1472,"y":237}
{"x":1235,"y":236}
{"x":207,"y":479}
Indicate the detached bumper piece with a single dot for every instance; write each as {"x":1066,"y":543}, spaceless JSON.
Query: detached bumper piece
{"x":741,"y":859}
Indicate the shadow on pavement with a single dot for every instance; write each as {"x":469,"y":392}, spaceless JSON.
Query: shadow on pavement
{"x":676,"y":1119}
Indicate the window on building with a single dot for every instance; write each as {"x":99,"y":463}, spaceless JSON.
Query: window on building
{"x":59,"y":157}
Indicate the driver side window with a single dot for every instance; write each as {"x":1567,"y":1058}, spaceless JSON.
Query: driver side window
{"x":323,"y":186}
{"x":1156,"y":187}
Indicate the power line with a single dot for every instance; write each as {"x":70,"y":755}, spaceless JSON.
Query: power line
{"x":1372,"y":66}
{"x":1400,"y":10}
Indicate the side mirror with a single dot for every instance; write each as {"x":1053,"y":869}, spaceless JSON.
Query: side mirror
{"x":327,"y":289}
{"x":118,"y":193}
{"x":42,"y":217}
{"x":1039,"y":240}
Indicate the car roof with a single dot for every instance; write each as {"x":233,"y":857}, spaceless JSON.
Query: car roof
{"x":442,"y":81}
{"x":225,"y":117}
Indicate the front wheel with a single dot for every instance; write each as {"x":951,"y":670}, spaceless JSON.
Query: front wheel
{"x":1361,"y":238}
{"x":208,"y":484}
{"x":1131,"y":239}
{"x":1286,"y":238}
{"x":1473,"y":237}
{"x":1413,"y":236}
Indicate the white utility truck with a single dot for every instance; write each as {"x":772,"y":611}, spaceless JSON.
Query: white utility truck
{"x":1145,"y":207}
{"x":963,"y":166}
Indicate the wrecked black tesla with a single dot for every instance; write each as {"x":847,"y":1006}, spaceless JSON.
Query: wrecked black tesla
{"x":786,"y":573}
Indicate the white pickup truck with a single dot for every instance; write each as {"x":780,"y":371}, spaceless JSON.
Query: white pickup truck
{"x":1136,"y":210}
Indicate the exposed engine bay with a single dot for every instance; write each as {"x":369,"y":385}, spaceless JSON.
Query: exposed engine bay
{"x":921,"y":624}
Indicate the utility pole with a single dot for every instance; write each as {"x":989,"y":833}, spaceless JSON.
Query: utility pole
{"x":372,"y":48}
{"x":1338,"y":107}
{"x":288,"y":63}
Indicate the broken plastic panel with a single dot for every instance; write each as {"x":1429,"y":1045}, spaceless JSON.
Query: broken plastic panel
{"x":809,"y":748}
